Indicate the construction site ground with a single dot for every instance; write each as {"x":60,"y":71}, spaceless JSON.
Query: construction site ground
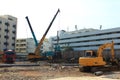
{"x":47,"y":71}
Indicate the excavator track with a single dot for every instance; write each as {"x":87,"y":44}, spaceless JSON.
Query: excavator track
{"x":100,"y":68}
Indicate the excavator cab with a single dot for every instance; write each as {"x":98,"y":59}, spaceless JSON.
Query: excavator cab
{"x":90,"y":53}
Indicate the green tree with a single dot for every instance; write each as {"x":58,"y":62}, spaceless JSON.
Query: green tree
{"x":68,"y":48}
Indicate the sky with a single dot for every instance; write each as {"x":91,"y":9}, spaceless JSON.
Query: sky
{"x":83,"y":13}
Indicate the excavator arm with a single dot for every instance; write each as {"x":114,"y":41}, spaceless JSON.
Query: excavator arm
{"x":104,"y":46}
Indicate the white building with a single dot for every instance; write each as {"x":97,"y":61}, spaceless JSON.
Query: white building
{"x":8,"y":30}
{"x":88,"y":39}
{"x":25,"y":45}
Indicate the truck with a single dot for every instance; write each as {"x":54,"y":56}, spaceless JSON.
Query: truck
{"x":7,"y":56}
{"x":93,"y":61}
{"x":37,"y":55}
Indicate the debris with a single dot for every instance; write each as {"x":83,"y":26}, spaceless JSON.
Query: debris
{"x":98,"y":73}
{"x":53,"y":72}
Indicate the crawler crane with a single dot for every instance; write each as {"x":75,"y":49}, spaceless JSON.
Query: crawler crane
{"x":37,"y":55}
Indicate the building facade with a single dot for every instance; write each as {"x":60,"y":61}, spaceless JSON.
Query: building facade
{"x":26,"y":45}
{"x":88,"y":39}
{"x":8,"y":31}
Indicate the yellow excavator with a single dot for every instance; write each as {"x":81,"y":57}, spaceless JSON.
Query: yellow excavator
{"x":92,"y":61}
{"x":36,"y":55}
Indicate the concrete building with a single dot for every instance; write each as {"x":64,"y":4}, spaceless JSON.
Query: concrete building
{"x":25,"y":45}
{"x":8,"y":30}
{"x":88,"y":39}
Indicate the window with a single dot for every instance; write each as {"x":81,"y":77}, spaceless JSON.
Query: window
{"x":13,"y":32}
{"x":5,"y":43}
{"x":7,"y":24}
{"x":23,"y":40}
{"x":6,"y":30}
{"x":14,"y":26}
{"x":17,"y":44}
{"x":6,"y":36}
{"x":10,"y":19}
{"x":13,"y":44}
{"x":13,"y":38}
{"x":17,"y":40}
{"x":0,"y":22}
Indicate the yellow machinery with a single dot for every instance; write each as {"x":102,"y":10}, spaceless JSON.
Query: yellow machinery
{"x":93,"y":60}
{"x":36,"y":55}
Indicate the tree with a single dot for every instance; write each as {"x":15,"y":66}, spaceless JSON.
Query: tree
{"x":68,"y":48}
